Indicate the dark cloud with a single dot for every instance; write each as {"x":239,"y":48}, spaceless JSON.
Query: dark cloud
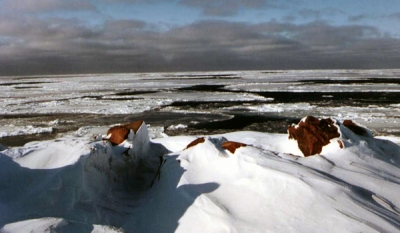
{"x":121,"y":28}
{"x":395,"y":16}
{"x":39,"y":6}
{"x":308,"y":13}
{"x":134,"y":1}
{"x":358,"y":18}
{"x":289,"y":18}
{"x":32,"y":46}
{"x":325,"y":36}
{"x":226,"y":7}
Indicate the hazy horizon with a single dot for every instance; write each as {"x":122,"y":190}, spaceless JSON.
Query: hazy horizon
{"x":190,"y":71}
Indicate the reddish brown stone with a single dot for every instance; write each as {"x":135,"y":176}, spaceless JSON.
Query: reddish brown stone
{"x":312,"y":134}
{"x":195,"y":142}
{"x":232,"y":146}
{"x":118,"y":134}
{"x":340,"y":144}
{"x":134,"y":126}
{"x":355,"y":128}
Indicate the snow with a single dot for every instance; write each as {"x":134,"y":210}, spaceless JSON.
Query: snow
{"x":281,"y":107}
{"x":56,"y":224}
{"x":53,"y":155}
{"x":178,"y":126}
{"x":78,"y":184}
{"x":25,"y":130}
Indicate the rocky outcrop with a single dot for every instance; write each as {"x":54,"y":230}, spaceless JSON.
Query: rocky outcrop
{"x":195,"y":142}
{"x":132,"y":157}
{"x":118,"y":134}
{"x":232,"y":146}
{"x":134,"y":126}
{"x":313,"y":134}
{"x":356,"y":128}
{"x":219,"y":143}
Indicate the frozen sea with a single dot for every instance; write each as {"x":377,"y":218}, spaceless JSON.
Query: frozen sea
{"x":195,"y":103}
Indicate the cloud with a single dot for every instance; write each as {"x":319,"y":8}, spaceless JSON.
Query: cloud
{"x":322,"y":35}
{"x":225,"y":7}
{"x":308,"y":13}
{"x":37,"y":46}
{"x":135,"y":1}
{"x":123,"y":26}
{"x":39,"y":6}
{"x":357,"y":18}
{"x":395,"y":16}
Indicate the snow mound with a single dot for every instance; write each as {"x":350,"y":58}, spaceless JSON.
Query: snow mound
{"x":200,"y":184}
{"x":76,"y":179}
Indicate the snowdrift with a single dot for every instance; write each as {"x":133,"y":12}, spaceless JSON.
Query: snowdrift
{"x":235,"y":182}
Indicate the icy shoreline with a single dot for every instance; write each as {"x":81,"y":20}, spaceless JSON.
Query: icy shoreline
{"x":367,"y":96}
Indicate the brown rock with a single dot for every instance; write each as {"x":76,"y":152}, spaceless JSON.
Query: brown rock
{"x":134,"y":126}
{"x":355,"y":128}
{"x":312,"y":134}
{"x":195,"y":142}
{"x":232,"y":146}
{"x":118,"y":134}
{"x":340,"y":144}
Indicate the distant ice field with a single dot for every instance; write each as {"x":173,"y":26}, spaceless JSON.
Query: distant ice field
{"x":42,"y":107}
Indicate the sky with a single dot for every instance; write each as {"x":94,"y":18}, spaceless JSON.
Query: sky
{"x":107,"y":36}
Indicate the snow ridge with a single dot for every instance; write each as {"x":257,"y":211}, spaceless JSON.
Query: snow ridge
{"x":76,"y":184}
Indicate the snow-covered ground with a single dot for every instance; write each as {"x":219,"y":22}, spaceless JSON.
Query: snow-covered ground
{"x":77,"y":183}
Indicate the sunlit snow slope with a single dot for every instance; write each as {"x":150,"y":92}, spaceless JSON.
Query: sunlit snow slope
{"x":77,"y":184}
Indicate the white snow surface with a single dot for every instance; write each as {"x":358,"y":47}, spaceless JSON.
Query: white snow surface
{"x":178,"y":126}
{"x":25,"y":130}
{"x":77,"y":184}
